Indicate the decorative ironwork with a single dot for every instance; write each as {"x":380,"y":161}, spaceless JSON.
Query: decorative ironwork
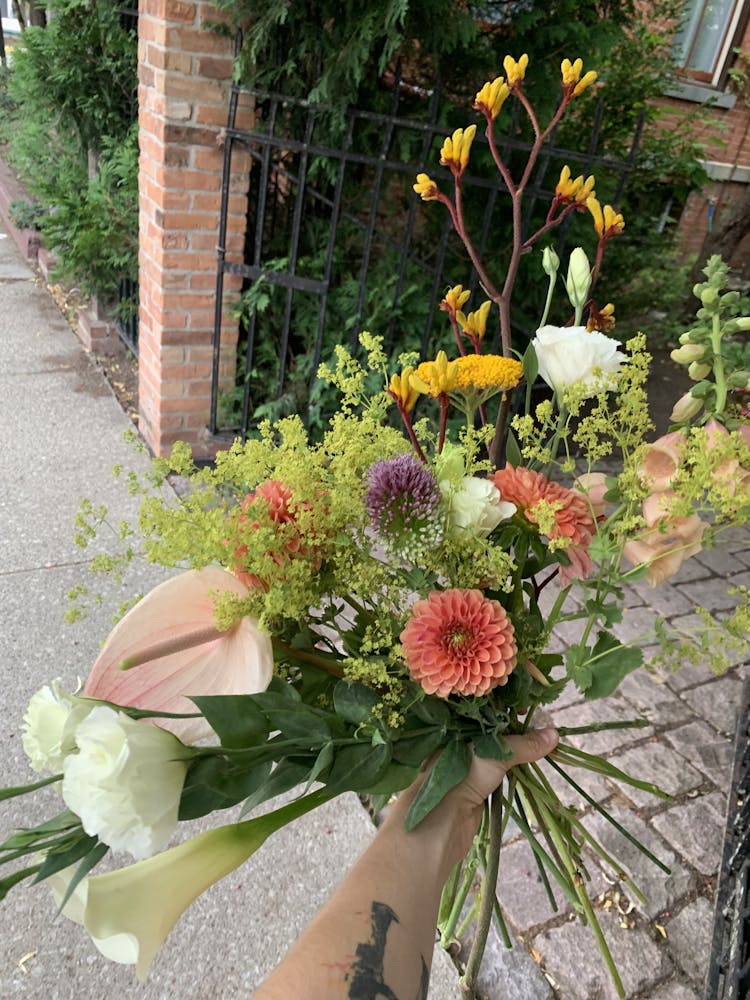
{"x":729,"y":970}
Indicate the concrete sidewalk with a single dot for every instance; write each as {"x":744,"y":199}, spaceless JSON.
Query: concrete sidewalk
{"x":62,"y":435}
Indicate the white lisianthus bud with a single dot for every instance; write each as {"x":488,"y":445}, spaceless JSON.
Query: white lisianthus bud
{"x":475,"y":506}
{"x":685,"y":408}
{"x":687,"y":353}
{"x":578,"y":280}
{"x":572,"y":355}
{"x":49,"y":726}
{"x":125,"y":782}
{"x":698,"y":370}
{"x":550,"y":262}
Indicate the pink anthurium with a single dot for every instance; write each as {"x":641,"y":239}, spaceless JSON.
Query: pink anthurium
{"x":168,"y":648}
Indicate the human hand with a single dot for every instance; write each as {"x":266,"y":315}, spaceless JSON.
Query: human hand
{"x":452,"y":824}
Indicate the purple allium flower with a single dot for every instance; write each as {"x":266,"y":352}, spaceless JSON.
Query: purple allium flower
{"x":402,"y":500}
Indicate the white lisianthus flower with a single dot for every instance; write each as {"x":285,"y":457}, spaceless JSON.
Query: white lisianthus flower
{"x":475,"y":506}
{"x":49,"y":726}
{"x":574,"y":355}
{"x":125,"y":781}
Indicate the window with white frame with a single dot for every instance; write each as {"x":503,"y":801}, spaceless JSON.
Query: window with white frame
{"x":9,"y":17}
{"x":706,"y":36}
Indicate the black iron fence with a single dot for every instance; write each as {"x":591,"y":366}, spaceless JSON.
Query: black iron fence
{"x":126,"y":314}
{"x":337,"y":240}
{"x":729,"y":970}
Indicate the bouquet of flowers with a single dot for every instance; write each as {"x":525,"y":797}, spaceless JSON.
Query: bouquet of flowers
{"x":352,"y":609}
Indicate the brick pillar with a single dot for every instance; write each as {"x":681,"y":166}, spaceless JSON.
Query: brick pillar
{"x":184,"y":77}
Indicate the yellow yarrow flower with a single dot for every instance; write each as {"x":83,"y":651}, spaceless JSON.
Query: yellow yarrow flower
{"x":435,"y":377}
{"x":578,"y":189}
{"x":488,"y":371}
{"x":455,"y":150}
{"x":571,"y":76}
{"x":515,"y":71}
{"x":426,"y":187}
{"x":455,"y":299}
{"x":607,"y":221}
{"x":474,"y":325}
{"x":491,"y":97}
{"x":400,"y":389}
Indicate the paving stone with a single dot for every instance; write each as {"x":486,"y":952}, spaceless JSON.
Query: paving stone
{"x":711,"y":754}
{"x":689,"y":934}
{"x":662,"y":891}
{"x":570,"y":955}
{"x":510,"y":973}
{"x":665,"y":599}
{"x":721,"y":560}
{"x":660,"y":765}
{"x":613,"y":709}
{"x":676,"y":989}
{"x":636,"y":623}
{"x":653,"y":699}
{"x":690,"y":570}
{"x":717,"y":702}
{"x":695,"y":829}
{"x":714,"y":592}
{"x":522,"y":894}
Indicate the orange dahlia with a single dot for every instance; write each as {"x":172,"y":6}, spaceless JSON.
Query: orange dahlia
{"x":459,"y":642}
{"x":536,"y":497}
{"x":527,"y":489}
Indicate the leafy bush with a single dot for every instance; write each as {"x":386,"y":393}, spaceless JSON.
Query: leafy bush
{"x":68,"y":121}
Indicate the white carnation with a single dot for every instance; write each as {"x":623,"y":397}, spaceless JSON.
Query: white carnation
{"x":49,"y":726}
{"x":125,"y":781}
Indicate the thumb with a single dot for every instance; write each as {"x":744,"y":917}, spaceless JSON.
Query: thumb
{"x":532,"y":745}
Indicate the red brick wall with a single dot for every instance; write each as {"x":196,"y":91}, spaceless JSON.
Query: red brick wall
{"x":725,"y":136}
{"x":184,"y":75}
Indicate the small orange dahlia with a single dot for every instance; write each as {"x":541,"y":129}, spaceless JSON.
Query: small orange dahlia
{"x":459,"y":642}
{"x":528,"y":489}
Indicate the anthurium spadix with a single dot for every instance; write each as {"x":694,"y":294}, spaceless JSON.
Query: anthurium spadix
{"x":167,"y":649}
{"x":130,"y":912}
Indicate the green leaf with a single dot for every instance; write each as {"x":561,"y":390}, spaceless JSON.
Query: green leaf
{"x":237,"y":719}
{"x":354,"y":702}
{"x":322,"y":763}
{"x":512,"y":449}
{"x":611,"y":663}
{"x":610,"y":614}
{"x":300,"y":722}
{"x":287,"y":774}
{"x":9,"y":793}
{"x":530,"y":371}
{"x":395,"y":779}
{"x":433,"y":711}
{"x":7,"y":883}
{"x":451,"y":767}
{"x":281,"y":688}
{"x":217,"y":782}
{"x":492,"y":746}
{"x":56,"y":860}
{"x":414,"y":751}
{"x":358,"y":767}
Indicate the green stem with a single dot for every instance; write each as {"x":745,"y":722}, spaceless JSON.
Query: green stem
{"x":718,"y":364}
{"x":468,"y":981}
{"x":598,"y":727}
{"x":550,"y":293}
{"x":448,"y":930}
{"x":578,"y":758}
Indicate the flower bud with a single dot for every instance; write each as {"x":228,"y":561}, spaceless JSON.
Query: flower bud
{"x":687,"y":353}
{"x":698,"y":370}
{"x":738,"y":380}
{"x":578,"y":280}
{"x":709,"y":296}
{"x":687,"y":337}
{"x":685,"y":408}
{"x":550,"y":262}
{"x":743,"y":322}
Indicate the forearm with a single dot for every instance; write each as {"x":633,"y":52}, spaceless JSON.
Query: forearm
{"x":376,"y":934}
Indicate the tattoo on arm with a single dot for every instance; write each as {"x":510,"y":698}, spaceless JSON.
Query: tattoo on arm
{"x":367,"y":980}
